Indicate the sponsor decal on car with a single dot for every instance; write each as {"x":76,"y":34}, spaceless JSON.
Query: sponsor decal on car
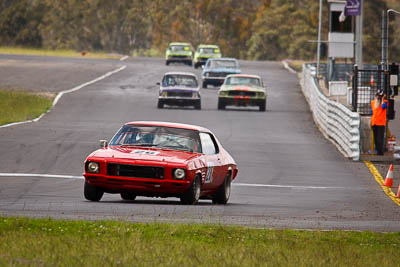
{"x":145,"y":152}
{"x":210,"y":170}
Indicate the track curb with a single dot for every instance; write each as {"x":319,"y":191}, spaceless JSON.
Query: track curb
{"x":380,"y":181}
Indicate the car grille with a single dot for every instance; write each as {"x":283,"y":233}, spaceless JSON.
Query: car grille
{"x":179,"y":94}
{"x":241,"y":93}
{"x":219,"y":74}
{"x":125,"y":170}
{"x":179,"y":57}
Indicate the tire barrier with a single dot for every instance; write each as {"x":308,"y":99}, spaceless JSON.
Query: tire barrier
{"x":338,"y":123}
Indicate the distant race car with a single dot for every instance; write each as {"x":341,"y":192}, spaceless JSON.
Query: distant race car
{"x":216,"y":69}
{"x":160,"y":159}
{"x":179,"y":53}
{"x":204,"y":52}
{"x":242,"y":90}
{"x":179,"y":88}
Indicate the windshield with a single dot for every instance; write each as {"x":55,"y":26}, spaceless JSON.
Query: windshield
{"x":179,"y":80}
{"x":242,"y":81}
{"x":223,"y":64}
{"x":177,"y":48}
{"x":158,"y":136}
{"x":208,"y":50}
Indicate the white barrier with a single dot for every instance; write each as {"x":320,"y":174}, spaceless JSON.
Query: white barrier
{"x":335,"y":120}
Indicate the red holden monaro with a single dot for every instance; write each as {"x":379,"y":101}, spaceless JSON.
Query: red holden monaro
{"x":161,"y":159}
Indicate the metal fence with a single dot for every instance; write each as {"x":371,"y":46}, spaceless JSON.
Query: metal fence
{"x":365,"y":83}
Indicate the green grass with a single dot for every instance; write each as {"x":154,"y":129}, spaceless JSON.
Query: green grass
{"x":297,"y":65}
{"x":152,"y":52}
{"x":46,"y":242}
{"x":21,"y":106}
{"x":60,"y":53}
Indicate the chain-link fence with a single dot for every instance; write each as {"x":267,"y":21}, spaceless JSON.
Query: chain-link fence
{"x":365,"y":83}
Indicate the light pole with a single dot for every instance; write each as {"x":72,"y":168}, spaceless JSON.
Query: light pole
{"x":385,"y":37}
{"x":319,"y":37}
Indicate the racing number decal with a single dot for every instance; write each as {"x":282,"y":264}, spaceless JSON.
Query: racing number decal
{"x":210,"y":169}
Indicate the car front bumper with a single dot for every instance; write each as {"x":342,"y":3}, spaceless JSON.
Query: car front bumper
{"x":241,"y":101}
{"x":179,"y":59}
{"x":213,"y":80}
{"x":138,"y":186}
{"x":179,"y":101}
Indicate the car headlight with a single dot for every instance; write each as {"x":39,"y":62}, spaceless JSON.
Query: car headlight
{"x":164,"y":94}
{"x":207,"y":74}
{"x":179,"y":173}
{"x":223,"y":93}
{"x":92,"y":167}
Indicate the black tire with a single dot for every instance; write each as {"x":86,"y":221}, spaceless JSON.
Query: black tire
{"x":196,"y":66}
{"x":160,"y":104}
{"x":224,"y":192}
{"x":262,"y":106}
{"x":221,"y":105}
{"x":92,"y":193}
{"x":204,"y":85}
{"x":192,"y":195}
{"x":190,"y":63}
{"x":128,"y":196}
{"x":198,"y":105}
{"x":167,"y":62}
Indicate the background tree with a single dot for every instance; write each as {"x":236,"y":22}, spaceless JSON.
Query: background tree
{"x":253,"y":29}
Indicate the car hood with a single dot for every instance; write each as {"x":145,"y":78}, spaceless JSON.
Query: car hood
{"x":144,"y":154}
{"x":229,"y":70}
{"x":179,"y":53}
{"x":207,"y":55}
{"x":179,"y":89}
{"x":241,"y":88}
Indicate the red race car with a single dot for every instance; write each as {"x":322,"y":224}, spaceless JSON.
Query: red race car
{"x":161,"y":159}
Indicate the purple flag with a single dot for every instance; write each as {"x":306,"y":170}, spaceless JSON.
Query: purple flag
{"x":352,"y":8}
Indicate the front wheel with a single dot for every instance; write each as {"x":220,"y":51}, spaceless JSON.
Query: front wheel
{"x":160,"y":104}
{"x":204,"y":85}
{"x":224,"y":192}
{"x":128,"y":196}
{"x":262,"y":106}
{"x":198,"y":105}
{"x":221,"y":105}
{"x":192,"y":195}
{"x":92,"y":193}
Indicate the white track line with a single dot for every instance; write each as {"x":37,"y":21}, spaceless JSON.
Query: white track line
{"x":123,"y":58}
{"x":285,"y":186}
{"x":39,"y":175}
{"x":286,"y":65}
{"x":60,"y":94}
{"x":234,"y":184}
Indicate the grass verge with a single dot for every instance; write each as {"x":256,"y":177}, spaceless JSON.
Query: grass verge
{"x":60,"y":53}
{"x":297,"y":65}
{"x":21,"y":106}
{"x":152,"y":52}
{"x":47,"y":242}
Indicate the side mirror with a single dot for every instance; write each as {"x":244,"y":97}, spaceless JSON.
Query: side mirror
{"x":103,"y":143}
{"x":158,"y":83}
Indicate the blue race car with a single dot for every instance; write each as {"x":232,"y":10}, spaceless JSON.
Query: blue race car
{"x":216,"y":69}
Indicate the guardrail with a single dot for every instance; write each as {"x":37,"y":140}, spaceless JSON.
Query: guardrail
{"x":336,"y":121}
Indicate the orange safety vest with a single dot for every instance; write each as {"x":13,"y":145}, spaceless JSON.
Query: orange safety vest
{"x":378,"y":114}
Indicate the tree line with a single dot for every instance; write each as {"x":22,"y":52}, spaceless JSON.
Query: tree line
{"x":251,"y":29}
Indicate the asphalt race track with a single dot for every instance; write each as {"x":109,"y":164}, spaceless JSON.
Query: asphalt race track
{"x":290,"y":176}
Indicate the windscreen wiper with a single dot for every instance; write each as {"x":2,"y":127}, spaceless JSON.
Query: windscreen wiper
{"x":140,"y":144}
